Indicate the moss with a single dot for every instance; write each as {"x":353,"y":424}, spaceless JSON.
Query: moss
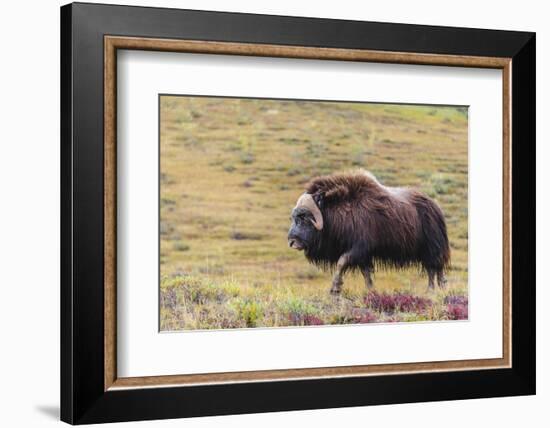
{"x":181,"y":246}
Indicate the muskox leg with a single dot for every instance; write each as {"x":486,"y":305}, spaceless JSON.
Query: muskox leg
{"x":366,"y":271}
{"x":337,"y":280}
{"x":431,"y":276}
{"x":441,"y":280}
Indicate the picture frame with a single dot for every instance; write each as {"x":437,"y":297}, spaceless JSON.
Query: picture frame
{"x":91,"y":390}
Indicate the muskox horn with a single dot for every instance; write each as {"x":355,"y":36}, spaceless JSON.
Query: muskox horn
{"x":306,"y":201}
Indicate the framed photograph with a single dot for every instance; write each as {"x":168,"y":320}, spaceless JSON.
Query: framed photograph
{"x":265,"y":213}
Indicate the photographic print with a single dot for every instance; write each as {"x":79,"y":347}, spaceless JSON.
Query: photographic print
{"x":280,"y":213}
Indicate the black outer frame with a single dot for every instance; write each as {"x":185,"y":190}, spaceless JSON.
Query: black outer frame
{"x":83,"y":399}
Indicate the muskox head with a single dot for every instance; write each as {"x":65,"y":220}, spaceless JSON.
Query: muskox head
{"x":307,"y":221}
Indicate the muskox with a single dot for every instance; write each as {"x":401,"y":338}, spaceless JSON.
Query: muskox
{"x":352,"y":222}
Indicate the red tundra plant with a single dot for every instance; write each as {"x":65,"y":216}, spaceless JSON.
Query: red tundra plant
{"x":402,"y":302}
{"x":298,"y":319}
{"x":312,"y":320}
{"x":457,"y":311}
{"x":457,"y":307}
{"x":456,"y":300}
{"x":365,"y":317}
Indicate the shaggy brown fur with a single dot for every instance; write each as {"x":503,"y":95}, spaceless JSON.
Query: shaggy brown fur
{"x":369,"y":225}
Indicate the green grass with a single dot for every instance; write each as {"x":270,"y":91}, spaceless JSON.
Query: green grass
{"x":202,"y":302}
{"x":231,"y":171}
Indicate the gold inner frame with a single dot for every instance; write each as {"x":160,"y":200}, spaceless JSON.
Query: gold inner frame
{"x":113,"y":43}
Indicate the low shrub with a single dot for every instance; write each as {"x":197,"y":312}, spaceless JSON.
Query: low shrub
{"x":305,"y":320}
{"x":456,"y":300}
{"x":242,"y":236}
{"x":181,"y":246}
{"x":194,"y":290}
{"x":299,"y":312}
{"x":247,"y":158}
{"x":457,"y":311}
{"x":398,"y":302}
{"x":364,"y":317}
{"x":249,"y":311}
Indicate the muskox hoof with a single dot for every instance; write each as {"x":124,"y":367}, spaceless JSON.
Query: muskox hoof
{"x":336,"y":288}
{"x":335,"y":291}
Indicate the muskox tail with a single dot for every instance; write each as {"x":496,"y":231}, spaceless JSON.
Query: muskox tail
{"x":435,"y":251}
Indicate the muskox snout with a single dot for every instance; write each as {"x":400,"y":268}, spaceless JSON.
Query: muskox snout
{"x":295,"y":242}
